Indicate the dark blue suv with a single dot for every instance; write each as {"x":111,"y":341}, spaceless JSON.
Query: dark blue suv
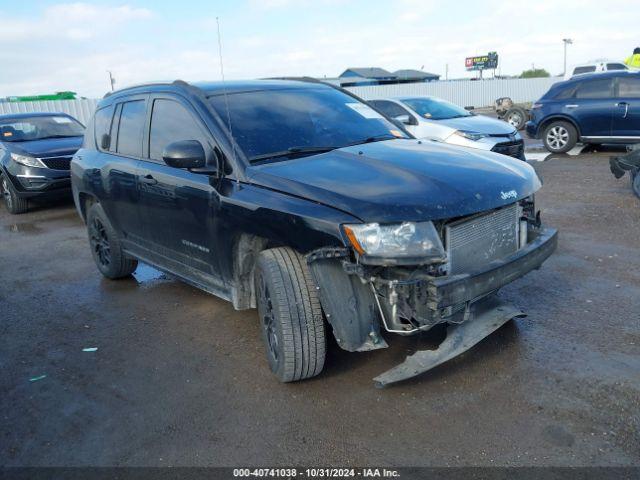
{"x":597,"y":108}
{"x":35,"y":156}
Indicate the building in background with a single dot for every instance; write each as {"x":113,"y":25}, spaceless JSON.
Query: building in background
{"x":356,"y":77}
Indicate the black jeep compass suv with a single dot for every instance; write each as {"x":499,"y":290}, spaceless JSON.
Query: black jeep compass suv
{"x":301,"y":200}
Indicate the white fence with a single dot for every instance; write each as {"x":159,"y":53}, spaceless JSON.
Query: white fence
{"x":480,"y":93}
{"x":82,"y":108}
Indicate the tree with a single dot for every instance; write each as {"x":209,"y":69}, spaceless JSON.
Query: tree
{"x":535,"y":73}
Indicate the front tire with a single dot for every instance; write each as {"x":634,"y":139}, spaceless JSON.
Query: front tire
{"x":290,"y":315}
{"x":15,"y":204}
{"x":560,"y":137}
{"x":105,"y":246}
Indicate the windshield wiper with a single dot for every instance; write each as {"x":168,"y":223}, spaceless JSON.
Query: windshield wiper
{"x":291,"y":151}
{"x":57,"y":136}
{"x":376,"y":138}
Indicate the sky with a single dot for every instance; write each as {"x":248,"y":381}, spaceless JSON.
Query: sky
{"x":50,"y":46}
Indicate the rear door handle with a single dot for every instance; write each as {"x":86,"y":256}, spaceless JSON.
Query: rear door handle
{"x":572,"y":106}
{"x":148,"y":180}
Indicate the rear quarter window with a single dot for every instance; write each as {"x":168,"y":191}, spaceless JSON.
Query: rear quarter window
{"x":564,"y":92}
{"x":102,"y":125}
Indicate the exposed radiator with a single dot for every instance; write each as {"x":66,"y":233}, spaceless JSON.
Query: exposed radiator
{"x":473,"y":243}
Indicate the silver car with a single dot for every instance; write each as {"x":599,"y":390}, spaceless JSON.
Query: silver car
{"x":437,"y":119}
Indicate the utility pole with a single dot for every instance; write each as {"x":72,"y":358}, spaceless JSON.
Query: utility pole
{"x":446,"y":72}
{"x":112,"y":81}
{"x":566,"y":41}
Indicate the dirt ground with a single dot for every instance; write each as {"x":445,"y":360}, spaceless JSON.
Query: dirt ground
{"x":180,"y":378}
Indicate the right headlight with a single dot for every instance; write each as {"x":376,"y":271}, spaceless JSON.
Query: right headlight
{"x":401,"y":240}
{"x":27,"y":161}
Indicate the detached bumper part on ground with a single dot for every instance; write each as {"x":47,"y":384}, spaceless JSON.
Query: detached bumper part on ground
{"x":628,"y":163}
{"x":358,"y":300}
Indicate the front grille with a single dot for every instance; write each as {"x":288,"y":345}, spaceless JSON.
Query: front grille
{"x":512,"y":149}
{"x":57,"y":163}
{"x":473,"y":243}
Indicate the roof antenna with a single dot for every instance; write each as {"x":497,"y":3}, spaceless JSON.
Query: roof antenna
{"x":226,"y":99}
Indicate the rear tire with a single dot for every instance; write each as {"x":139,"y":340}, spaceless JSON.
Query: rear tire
{"x":560,"y":137}
{"x":290,"y":315}
{"x":105,"y":246}
{"x":15,"y":204}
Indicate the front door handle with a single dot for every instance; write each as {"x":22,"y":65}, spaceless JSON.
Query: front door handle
{"x":626,"y":108}
{"x":148,"y":180}
{"x":572,"y":106}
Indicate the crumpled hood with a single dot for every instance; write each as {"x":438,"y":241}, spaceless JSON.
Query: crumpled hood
{"x":479,"y":124}
{"x":402,"y":180}
{"x":47,"y":147}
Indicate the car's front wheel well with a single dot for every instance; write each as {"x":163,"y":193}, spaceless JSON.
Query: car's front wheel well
{"x":245,"y":256}
{"x":85,"y":201}
{"x":548,"y":121}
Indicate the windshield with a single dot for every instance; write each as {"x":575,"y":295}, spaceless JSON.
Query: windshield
{"x":435,"y":108}
{"x":300,"y":121}
{"x":37,"y":128}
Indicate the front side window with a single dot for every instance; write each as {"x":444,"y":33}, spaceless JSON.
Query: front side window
{"x":38,"y":128}
{"x":132,"y":119}
{"x":267,"y":123}
{"x":629,"y":87}
{"x":616,"y":66}
{"x":600,"y":88}
{"x":171,"y":122}
{"x":435,"y":108}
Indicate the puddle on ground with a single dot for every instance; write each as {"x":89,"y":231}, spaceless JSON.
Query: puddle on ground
{"x":26,"y":227}
{"x":145,"y":274}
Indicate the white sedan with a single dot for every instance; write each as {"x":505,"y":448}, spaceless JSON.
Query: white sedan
{"x":436,"y":119}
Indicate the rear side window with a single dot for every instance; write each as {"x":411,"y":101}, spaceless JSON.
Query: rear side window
{"x":172,"y":122}
{"x":589,"y":69}
{"x":600,"y":88}
{"x":629,"y":87}
{"x":390,"y":109}
{"x":616,"y":66}
{"x":130,"y":130}
{"x":102,"y":122}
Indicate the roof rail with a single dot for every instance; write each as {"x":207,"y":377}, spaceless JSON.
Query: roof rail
{"x":149,"y":84}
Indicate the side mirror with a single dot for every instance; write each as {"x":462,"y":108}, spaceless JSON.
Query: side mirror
{"x":184,"y":154}
{"x":404,"y":119}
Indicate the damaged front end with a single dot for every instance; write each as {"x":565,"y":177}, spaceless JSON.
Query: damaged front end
{"x":472,"y":258}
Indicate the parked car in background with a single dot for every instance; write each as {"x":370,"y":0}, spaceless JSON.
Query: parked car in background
{"x":35,"y":153}
{"x":595,"y":108}
{"x":301,"y":200}
{"x":596,"y":66}
{"x":437,"y":119}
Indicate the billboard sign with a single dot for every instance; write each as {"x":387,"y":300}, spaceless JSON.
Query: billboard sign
{"x":482,"y":62}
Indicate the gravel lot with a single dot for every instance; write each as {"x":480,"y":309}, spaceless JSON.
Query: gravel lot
{"x":180,"y":378}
